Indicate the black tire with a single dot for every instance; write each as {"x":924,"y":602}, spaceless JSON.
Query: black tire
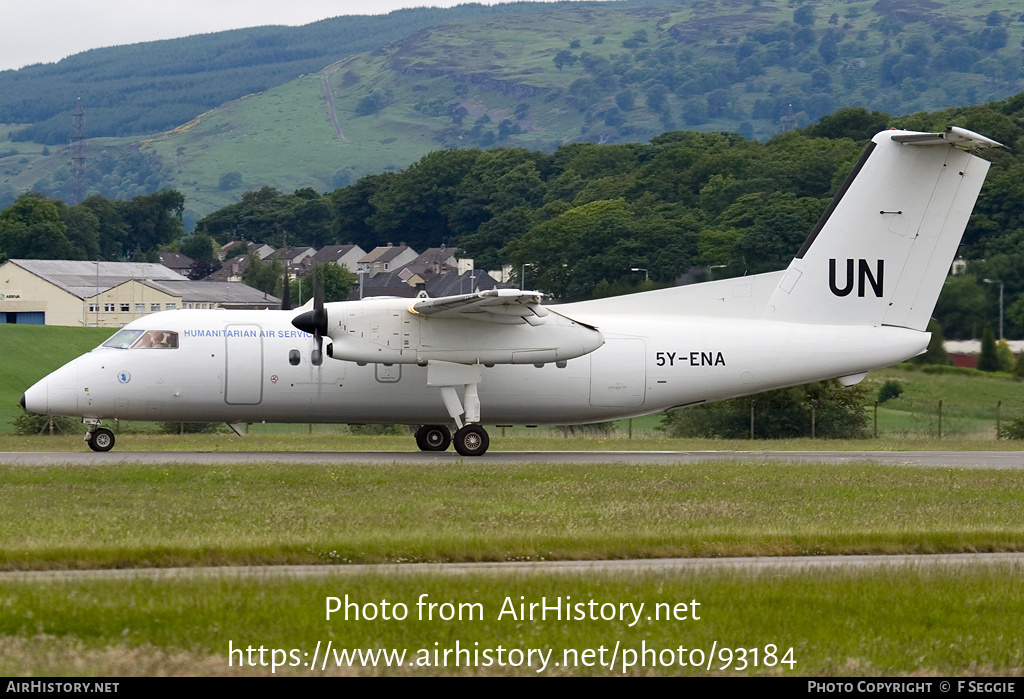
{"x":101,"y":440}
{"x":471,"y":440}
{"x":433,"y":438}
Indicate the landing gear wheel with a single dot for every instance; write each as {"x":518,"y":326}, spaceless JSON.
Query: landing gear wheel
{"x":471,"y":440}
{"x":101,"y":440}
{"x":433,"y":438}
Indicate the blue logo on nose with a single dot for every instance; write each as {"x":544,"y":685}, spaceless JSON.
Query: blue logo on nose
{"x":124,"y":377}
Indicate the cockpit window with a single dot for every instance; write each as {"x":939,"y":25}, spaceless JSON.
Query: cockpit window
{"x":157,"y":339}
{"x":143,"y":339}
{"x":123,"y":339}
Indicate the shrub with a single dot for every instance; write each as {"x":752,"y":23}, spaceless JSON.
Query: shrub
{"x":32,"y":424}
{"x":890,"y":389}
{"x":375,"y":430}
{"x":192,"y":427}
{"x":839,"y":413}
{"x":1012,"y":428}
{"x":594,"y":429}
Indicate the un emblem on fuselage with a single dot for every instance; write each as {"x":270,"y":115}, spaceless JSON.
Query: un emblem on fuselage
{"x":124,"y":377}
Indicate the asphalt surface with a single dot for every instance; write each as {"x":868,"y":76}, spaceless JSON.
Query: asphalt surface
{"x":934,"y":459}
{"x":666,"y":566}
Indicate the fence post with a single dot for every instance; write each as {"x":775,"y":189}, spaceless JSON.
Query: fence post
{"x":813,"y":419}
{"x":940,"y":419}
{"x":751,"y":420}
{"x":876,"y":419}
{"x":999,"y":431}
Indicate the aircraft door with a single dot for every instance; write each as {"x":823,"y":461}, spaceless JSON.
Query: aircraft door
{"x":243,"y":372}
{"x":618,"y":373}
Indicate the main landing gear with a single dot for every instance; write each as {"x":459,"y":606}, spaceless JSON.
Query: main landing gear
{"x":433,"y":438}
{"x":469,"y":440}
{"x":99,"y":438}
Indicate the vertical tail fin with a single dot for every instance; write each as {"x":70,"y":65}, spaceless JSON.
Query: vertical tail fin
{"x":881,"y":251}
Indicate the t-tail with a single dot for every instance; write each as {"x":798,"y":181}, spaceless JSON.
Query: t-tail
{"x":881,"y":251}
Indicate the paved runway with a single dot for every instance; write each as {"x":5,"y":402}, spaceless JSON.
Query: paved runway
{"x":959,"y":459}
{"x":668,"y":566}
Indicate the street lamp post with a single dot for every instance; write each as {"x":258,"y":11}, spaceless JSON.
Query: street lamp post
{"x":647,"y":275}
{"x":522,"y":275}
{"x":1000,"y":283}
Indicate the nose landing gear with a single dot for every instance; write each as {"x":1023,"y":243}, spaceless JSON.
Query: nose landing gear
{"x":99,"y":438}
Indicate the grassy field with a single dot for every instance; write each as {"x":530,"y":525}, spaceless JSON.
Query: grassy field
{"x":31,"y":352}
{"x":910,"y":621}
{"x":119,"y":516}
{"x":960,"y":621}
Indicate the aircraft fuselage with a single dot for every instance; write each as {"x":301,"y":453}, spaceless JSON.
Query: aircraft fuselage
{"x":251,"y":366}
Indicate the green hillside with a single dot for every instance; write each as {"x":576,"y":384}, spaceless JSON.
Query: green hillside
{"x":31,"y":352}
{"x":152,"y":86}
{"x":604,"y":74}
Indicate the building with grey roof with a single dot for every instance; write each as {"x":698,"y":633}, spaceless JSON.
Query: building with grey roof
{"x":108,"y":294}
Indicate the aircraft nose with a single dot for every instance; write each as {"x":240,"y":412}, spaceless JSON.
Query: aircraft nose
{"x":34,"y":400}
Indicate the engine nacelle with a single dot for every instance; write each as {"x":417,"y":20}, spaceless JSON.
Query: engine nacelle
{"x":386,"y":331}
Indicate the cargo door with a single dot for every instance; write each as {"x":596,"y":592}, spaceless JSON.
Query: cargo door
{"x":243,"y":373}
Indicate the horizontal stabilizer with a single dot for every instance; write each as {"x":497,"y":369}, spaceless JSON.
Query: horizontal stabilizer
{"x":953,"y":135}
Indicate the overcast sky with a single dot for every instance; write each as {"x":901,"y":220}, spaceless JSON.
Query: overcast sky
{"x":44,"y":31}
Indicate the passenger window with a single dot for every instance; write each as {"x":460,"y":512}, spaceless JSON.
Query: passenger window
{"x":293,"y":357}
{"x":157,"y":339}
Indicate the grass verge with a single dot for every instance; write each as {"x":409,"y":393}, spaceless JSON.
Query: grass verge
{"x":909,"y":621}
{"x":120,"y":516}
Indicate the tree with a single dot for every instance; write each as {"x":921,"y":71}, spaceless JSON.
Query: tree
{"x":199,"y":246}
{"x":571,"y":253}
{"x":804,"y":16}
{"x":414,"y":206}
{"x":850,"y":122}
{"x":988,"y":360}
{"x":957,"y":307}
{"x":265,"y":276}
{"x":153,"y":220}
{"x":565,"y":58}
{"x":936,"y":352}
{"x":337,"y":280}
{"x":31,"y":228}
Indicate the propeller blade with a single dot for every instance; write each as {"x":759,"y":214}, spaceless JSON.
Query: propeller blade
{"x":315,"y":322}
{"x":318,"y":289}
{"x":286,"y":291}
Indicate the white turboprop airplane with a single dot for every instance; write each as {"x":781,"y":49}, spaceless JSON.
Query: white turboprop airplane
{"x":858,"y":296}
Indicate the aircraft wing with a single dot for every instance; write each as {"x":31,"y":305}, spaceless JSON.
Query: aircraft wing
{"x":502,"y":306}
